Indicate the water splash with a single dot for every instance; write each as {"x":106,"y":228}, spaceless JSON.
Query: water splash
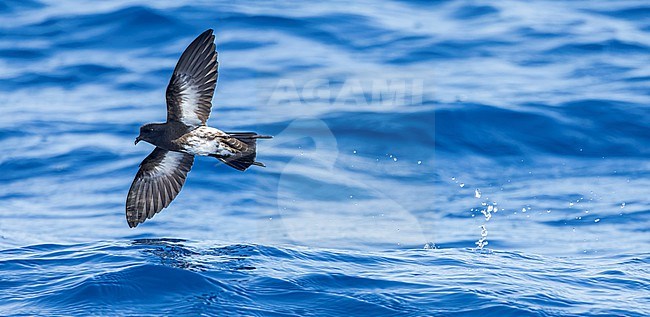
{"x":482,"y":242}
{"x":486,"y":210}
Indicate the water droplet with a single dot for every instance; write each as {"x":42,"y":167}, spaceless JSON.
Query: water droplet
{"x":523,"y":209}
{"x":548,"y":211}
{"x":462,"y":185}
{"x":597,"y":220}
{"x":571,"y":204}
{"x":453,"y":178}
{"x":355,"y":151}
{"x":394,"y":159}
{"x":623,"y":205}
{"x":419,"y":162}
{"x":477,"y":193}
{"x":486,"y":213}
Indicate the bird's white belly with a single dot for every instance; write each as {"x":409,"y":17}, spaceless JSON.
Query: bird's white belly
{"x":205,"y":141}
{"x":198,"y":146}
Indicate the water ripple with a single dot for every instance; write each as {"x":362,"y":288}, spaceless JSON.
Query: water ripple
{"x":540,"y":106}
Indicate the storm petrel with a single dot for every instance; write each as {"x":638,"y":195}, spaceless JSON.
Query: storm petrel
{"x":185,"y":134}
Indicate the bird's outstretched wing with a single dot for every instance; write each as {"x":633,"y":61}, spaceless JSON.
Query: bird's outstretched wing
{"x":190,"y":90}
{"x":160,"y":178}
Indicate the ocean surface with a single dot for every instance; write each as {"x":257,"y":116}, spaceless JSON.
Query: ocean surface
{"x":431,"y":158}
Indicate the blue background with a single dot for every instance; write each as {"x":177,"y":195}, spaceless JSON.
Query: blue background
{"x":366,"y":207}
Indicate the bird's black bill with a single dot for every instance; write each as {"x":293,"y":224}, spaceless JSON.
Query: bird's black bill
{"x":137,"y":140}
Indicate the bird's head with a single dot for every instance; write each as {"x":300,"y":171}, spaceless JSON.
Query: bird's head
{"x":149,"y":132}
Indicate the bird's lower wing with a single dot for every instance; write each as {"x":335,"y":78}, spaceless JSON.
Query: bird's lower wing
{"x":159,"y":180}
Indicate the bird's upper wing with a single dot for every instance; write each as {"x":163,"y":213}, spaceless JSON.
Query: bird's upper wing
{"x":190,"y":90}
{"x":159,"y":180}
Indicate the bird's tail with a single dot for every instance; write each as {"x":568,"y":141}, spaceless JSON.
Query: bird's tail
{"x":245,"y":159}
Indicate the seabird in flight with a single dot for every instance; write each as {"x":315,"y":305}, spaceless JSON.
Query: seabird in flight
{"x":185,"y":134}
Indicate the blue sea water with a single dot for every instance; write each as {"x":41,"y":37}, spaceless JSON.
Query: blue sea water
{"x":407,"y":133}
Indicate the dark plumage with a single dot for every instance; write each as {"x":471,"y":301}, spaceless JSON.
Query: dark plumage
{"x":185,"y":134}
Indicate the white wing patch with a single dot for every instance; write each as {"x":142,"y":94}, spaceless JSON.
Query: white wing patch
{"x":169,"y":164}
{"x":189,"y":102}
